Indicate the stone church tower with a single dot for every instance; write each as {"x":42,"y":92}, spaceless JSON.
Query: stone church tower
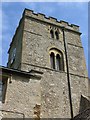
{"x":50,"y":56}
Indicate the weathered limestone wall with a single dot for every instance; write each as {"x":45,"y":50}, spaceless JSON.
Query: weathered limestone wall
{"x":55,"y":96}
{"x":0,"y":110}
{"x":50,"y":93}
{"x":89,"y":88}
{"x":77,"y":69}
{"x":16,"y":43}
{"x":79,"y":86}
{"x":73,"y":38}
{"x":37,"y":38}
{"x":37,"y":43}
{"x":22,"y":96}
{"x":53,"y":87}
{"x":76,"y":61}
{"x":25,"y":94}
{"x":76,"y":58}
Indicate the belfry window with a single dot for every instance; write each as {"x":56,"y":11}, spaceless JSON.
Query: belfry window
{"x":52,"y":60}
{"x":57,"y":35}
{"x":56,"y":59}
{"x":58,"y":62}
{"x":52,"y":33}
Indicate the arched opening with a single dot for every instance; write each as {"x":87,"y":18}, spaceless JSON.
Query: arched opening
{"x":57,"y":35}
{"x":56,"y":59}
{"x":58,"y":62}
{"x":52,"y":33}
{"x":62,"y":62}
{"x":52,"y":60}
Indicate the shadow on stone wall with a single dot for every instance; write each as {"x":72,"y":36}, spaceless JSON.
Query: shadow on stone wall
{"x":84,"y":103}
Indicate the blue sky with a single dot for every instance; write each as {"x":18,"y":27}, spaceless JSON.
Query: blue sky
{"x":74,"y":13}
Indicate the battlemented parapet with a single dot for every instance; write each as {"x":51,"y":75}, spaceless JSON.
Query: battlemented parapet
{"x":50,"y":20}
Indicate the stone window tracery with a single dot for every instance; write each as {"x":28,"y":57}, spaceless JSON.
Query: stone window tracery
{"x":54,"y":33}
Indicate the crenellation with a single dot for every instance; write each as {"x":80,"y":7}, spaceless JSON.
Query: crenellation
{"x":75,"y":27}
{"x":27,"y":12}
{"x":64,"y":23}
{"x":41,"y":16}
{"x":44,"y":18}
{"x":52,"y":19}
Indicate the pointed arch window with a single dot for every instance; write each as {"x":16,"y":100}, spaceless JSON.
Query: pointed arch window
{"x":52,"y":60}
{"x":52,"y":33}
{"x":57,"y":35}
